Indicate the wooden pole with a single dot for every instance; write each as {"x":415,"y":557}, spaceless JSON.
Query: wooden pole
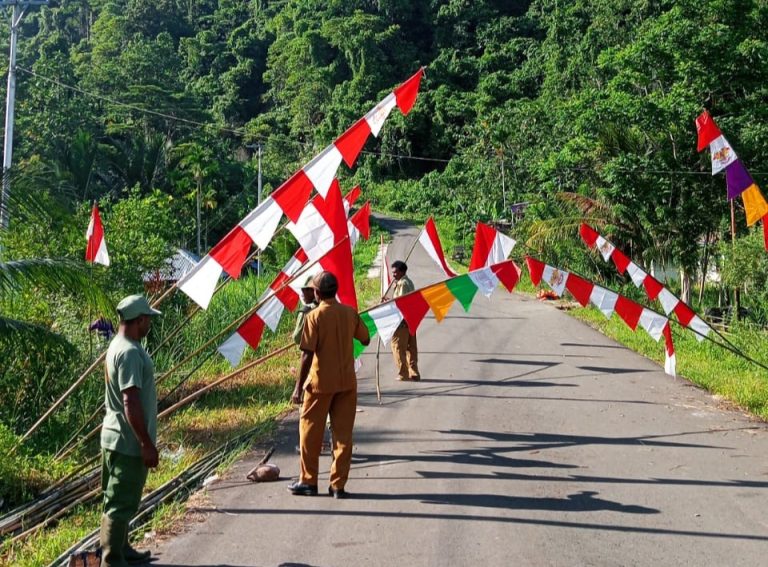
{"x":382,"y":271}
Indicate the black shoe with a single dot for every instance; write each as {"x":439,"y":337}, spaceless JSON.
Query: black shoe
{"x":300,"y":489}
{"x":338,"y":493}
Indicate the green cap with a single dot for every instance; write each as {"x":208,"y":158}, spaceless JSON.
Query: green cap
{"x":308,"y":283}
{"x":133,"y":306}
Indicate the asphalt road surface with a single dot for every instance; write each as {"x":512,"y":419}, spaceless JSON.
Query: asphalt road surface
{"x":531,"y":440}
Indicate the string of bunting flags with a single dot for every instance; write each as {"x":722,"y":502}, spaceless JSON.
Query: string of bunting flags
{"x":259,"y":226}
{"x":654,"y":289}
{"x":438,"y":297}
{"x":608,"y":302}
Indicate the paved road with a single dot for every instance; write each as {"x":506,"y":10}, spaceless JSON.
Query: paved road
{"x":532,"y":440}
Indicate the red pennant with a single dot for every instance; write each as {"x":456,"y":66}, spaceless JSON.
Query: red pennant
{"x":652,"y":287}
{"x":706,"y":129}
{"x":405,"y":94}
{"x":620,"y":260}
{"x":684,"y":313}
{"x":352,"y":141}
{"x":580,"y":288}
{"x":230,"y":253}
{"x":629,"y":311}
{"x":535,"y":269}
{"x":292,"y":196}
{"x":588,"y":235}
{"x":362,"y":220}
{"x":252,"y":330}
{"x":508,"y":273}
{"x":354,"y":194}
{"x":413,"y":307}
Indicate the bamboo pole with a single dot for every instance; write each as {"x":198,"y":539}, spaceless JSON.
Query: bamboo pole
{"x":160,"y":378}
{"x":382,"y":269}
{"x":192,"y":397}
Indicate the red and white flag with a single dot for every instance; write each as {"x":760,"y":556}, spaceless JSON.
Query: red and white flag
{"x":491,"y":247}
{"x":290,"y":198}
{"x":430,"y":240}
{"x":96,"y":251}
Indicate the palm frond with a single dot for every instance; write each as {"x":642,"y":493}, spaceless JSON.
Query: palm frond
{"x":14,"y":331}
{"x":53,"y":275}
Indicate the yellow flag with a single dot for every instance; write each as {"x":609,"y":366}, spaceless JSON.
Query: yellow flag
{"x":754,"y":204}
{"x":440,"y":299}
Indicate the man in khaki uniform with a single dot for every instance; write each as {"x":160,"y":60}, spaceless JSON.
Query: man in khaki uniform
{"x":404,"y":346}
{"x":329,"y":386}
{"x":129,"y":431}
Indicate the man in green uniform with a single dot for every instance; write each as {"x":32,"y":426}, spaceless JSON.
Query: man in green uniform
{"x":404,"y":346}
{"x":327,"y":385}
{"x":309,"y":303}
{"x":129,"y":432}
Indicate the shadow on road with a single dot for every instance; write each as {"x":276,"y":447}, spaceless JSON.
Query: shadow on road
{"x":329,"y":514}
{"x":584,"y":501}
{"x":540,"y":441}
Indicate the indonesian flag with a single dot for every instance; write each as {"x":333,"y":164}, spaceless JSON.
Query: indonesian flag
{"x":491,"y":247}
{"x":290,"y":198}
{"x":430,"y":240}
{"x":556,"y":279}
{"x":96,"y":251}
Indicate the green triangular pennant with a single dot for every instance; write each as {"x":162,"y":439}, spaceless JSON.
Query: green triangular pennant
{"x":464,"y":289}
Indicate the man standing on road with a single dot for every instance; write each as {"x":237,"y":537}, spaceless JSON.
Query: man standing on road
{"x":404,"y":346}
{"x":329,"y":385}
{"x":129,"y":432}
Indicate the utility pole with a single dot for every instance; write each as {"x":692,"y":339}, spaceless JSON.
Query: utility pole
{"x":19,"y":8}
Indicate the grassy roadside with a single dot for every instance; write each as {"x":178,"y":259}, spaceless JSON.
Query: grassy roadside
{"x":254,"y":399}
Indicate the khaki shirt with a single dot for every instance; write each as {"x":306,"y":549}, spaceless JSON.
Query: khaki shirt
{"x":128,"y":365}
{"x":328,"y":332}
{"x":402,"y":286}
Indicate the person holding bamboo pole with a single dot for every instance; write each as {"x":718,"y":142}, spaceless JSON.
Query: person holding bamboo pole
{"x":404,"y":347}
{"x":327,"y":385}
{"x":129,"y":431}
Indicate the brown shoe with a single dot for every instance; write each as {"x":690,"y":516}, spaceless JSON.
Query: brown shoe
{"x":414,"y":378}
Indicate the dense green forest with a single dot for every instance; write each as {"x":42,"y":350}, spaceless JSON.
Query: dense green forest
{"x":582,"y":109}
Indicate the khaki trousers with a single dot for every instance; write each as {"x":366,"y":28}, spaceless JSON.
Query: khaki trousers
{"x":341,"y":406}
{"x":406,"y":353}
